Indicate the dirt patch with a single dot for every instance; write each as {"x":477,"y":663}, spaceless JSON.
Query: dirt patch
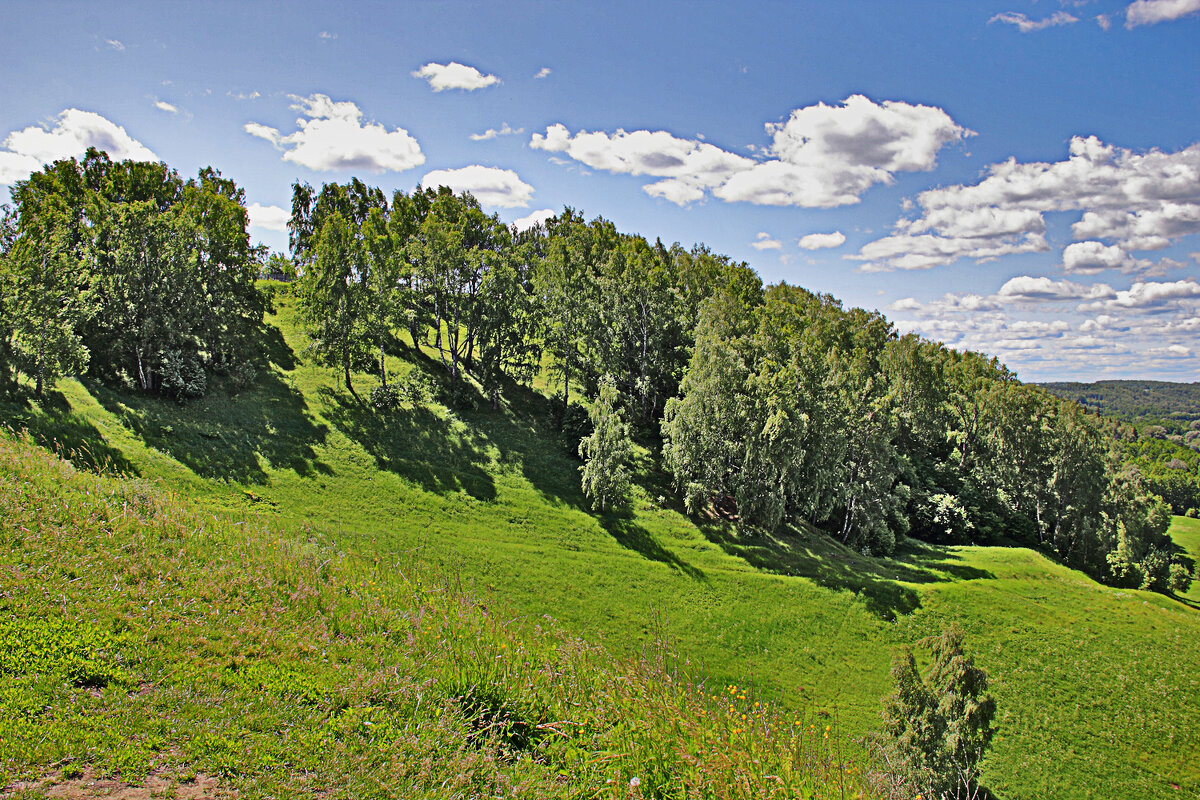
{"x":89,"y":787}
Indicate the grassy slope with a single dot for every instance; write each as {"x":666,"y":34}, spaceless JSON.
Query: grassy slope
{"x":1095,"y":688}
{"x":140,"y":638}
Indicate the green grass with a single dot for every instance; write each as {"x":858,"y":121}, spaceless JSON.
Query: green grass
{"x":1095,"y":687}
{"x":1186,"y":533}
{"x":139,"y":637}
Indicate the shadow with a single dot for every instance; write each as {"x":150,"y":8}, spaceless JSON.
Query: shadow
{"x":51,"y":424}
{"x":417,"y":444}
{"x":230,"y":435}
{"x":801,"y":552}
{"x":622,"y":527}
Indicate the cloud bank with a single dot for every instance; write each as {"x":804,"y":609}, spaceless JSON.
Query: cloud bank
{"x":822,"y":156}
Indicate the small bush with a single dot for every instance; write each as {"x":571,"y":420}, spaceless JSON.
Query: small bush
{"x":417,"y":387}
{"x":572,"y":421}
{"x":385,"y":398}
{"x":182,"y":375}
{"x":1191,"y":513}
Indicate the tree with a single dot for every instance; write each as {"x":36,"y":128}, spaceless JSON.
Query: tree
{"x":606,"y":453}
{"x":46,"y":303}
{"x":937,"y":728}
{"x":332,"y":299}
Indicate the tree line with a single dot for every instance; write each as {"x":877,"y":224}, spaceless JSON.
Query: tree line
{"x":771,"y":404}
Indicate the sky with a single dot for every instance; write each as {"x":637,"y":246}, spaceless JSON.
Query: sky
{"x":1015,"y":177}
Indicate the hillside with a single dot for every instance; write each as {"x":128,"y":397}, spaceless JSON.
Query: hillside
{"x":1154,"y":401}
{"x":1094,"y":692}
{"x":142,"y":642}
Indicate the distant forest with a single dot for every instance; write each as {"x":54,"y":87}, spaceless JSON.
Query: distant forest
{"x":1173,"y":405}
{"x":1161,"y":434}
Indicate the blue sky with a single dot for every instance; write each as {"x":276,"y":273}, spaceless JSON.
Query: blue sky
{"x":1020,"y":178}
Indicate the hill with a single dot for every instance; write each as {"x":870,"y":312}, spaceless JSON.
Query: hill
{"x":1135,"y":401}
{"x":1095,"y":695}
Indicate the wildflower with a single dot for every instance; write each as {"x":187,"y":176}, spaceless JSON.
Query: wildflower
{"x":636,"y":782}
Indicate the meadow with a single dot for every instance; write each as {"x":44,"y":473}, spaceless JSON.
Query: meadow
{"x":1096,"y":687}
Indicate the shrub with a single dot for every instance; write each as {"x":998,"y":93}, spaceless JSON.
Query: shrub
{"x":384,"y":398}
{"x":937,"y":727}
{"x":182,"y":375}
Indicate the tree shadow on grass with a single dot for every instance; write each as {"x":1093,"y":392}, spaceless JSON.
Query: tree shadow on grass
{"x":228,"y":434}
{"x":621,"y":525}
{"x":417,"y":444}
{"x":52,"y":424}
{"x":812,"y":554}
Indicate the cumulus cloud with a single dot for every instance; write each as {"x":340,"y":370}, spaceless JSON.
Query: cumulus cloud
{"x":1150,"y":296}
{"x":1151,"y":12}
{"x":269,"y":218}
{"x":765,"y":242}
{"x":819,"y":241}
{"x":820,"y":157}
{"x":492,"y":133}
{"x":688,"y":167}
{"x":492,"y":186}
{"x":454,"y":76}
{"x":115,"y":44}
{"x":1030,"y":289}
{"x":74,"y":131}
{"x":332,"y":136}
{"x":1026,"y":25}
{"x":544,"y":72}
{"x":162,"y":105}
{"x":534,"y":218}
{"x":1133,"y":200}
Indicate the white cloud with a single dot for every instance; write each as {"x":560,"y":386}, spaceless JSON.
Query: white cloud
{"x":818,"y":241}
{"x":1026,"y":25}
{"x":1027,"y":288}
{"x":821,"y":156}
{"x":1087,"y":258}
{"x":1150,"y":12}
{"x":923,"y":251}
{"x":534,"y":218}
{"x":1134,"y":200}
{"x":492,"y":186}
{"x":26,"y":151}
{"x":492,"y":133}
{"x":454,"y":76}
{"x":1150,"y":296}
{"x":765,"y":242}
{"x":689,"y":167}
{"x":332,"y":136}
{"x":243,"y":95}
{"x":1104,"y":21}
{"x":115,"y":44}
{"x":326,"y":35}
{"x":270,"y":218}
{"x":162,"y":105}
{"x":1173,"y":350}
{"x":544,"y":72}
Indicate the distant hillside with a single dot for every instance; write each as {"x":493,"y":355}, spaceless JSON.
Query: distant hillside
{"x":1136,"y":401}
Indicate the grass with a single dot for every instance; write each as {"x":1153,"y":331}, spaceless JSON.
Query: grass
{"x":1094,"y":688}
{"x":139,"y":638}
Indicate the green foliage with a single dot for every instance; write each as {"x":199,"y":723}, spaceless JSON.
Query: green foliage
{"x":937,"y":727}
{"x":606,"y":452}
{"x":129,"y":272}
{"x":80,"y":653}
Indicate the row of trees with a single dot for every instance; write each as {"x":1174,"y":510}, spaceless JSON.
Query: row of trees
{"x":126,"y":271}
{"x":793,"y":408}
{"x":493,"y":301}
{"x":774,"y":404}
